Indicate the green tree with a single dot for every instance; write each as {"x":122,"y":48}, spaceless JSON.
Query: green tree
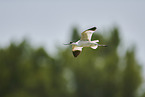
{"x":131,"y":76}
{"x":75,"y":35}
{"x":98,"y":73}
{"x":26,"y":71}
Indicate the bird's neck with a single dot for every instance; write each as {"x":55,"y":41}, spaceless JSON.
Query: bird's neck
{"x":75,"y":44}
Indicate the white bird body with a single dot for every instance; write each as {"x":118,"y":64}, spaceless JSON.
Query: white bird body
{"x":85,"y":41}
{"x":81,"y":43}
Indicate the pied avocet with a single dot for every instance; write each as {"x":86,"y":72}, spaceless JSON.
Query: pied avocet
{"x":85,"y":41}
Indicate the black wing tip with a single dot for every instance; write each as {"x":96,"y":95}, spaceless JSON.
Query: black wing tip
{"x":76,"y":53}
{"x":93,"y":28}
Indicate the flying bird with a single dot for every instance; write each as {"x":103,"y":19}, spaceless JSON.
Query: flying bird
{"x":85,"y":41}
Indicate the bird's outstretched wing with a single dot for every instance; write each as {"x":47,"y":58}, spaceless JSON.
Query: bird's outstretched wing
{"x":76,"y":50}
{"x":87,"y":34}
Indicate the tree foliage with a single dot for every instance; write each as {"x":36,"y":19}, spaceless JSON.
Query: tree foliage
{"x":29,"y":72}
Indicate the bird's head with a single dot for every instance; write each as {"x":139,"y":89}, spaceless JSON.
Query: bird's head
{"x":71,"y":43}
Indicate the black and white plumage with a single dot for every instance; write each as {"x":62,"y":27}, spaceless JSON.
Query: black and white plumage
{"x":85,"y":41}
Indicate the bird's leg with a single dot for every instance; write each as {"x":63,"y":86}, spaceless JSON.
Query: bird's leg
{"x":102,"y":45}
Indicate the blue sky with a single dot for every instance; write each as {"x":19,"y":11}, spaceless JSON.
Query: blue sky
{"x":48,"y":23}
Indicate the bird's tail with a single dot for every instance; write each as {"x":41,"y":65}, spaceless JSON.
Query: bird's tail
{"x":95,"y":41}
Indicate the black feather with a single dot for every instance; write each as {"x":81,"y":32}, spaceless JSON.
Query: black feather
{"x":76,"y":53}
{"x":93,"y":29}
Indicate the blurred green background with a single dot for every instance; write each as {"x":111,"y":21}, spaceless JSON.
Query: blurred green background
{"x":27,"y":71}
